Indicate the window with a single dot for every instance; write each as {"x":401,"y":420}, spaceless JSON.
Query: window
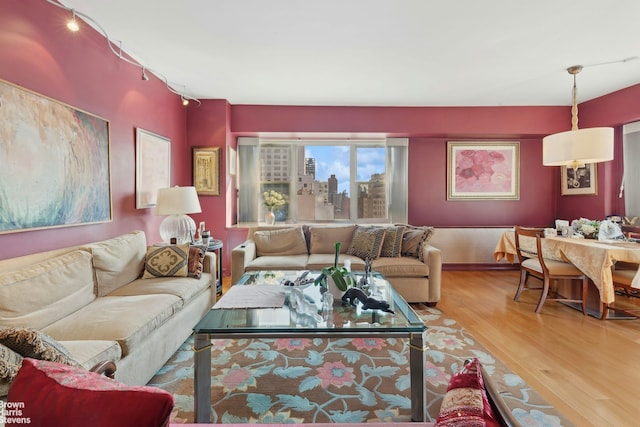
{"x":324,"y":181}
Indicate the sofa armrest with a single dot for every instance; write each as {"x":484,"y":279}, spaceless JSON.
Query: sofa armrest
{"x":241,"y":256}
{"x":209,"y":264}
{"x":433,"y":259}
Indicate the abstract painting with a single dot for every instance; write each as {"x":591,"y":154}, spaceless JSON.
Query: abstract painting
{"x":55,"y":163}
{"x":206,"y":170}
{"x":483,"y":170}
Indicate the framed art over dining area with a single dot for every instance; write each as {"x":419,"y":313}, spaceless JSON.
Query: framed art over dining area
{"x":206,"y":170}
{"x":483,"y":170}
{"x":581,"y":181}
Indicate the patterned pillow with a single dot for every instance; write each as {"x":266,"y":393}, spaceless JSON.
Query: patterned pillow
{"x":166,"y":261}
{"x":367,"y":242}
{"x":465,"y":403}
{"x":55,"y":395}
{"x":195,"y":262}
{"x":10,"y":363}
{"x":414,"y":239}
{"x":35,"y":345}
{"x":392,"y":244}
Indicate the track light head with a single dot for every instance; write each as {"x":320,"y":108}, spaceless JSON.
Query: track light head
{"x":144,"y":75}
{"x":185,"y":101}
{"x":72,"y":24}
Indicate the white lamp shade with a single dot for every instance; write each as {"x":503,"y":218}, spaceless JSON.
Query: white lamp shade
{"x":177,"y":201}
{"x":580,"y":146}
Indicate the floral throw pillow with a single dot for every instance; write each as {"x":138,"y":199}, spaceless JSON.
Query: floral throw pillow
{"x":465,"y":404}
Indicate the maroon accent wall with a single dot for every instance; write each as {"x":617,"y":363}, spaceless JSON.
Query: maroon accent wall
{"x":40,"y":54}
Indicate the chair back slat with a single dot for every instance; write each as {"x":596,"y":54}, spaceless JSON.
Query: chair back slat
{"x":525,"y":252}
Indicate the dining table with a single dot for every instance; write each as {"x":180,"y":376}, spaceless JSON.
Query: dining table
{"x":595,"y":258}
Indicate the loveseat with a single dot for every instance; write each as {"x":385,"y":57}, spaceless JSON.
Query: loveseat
{"x":400,"y":252}
{"x":101,"y":301}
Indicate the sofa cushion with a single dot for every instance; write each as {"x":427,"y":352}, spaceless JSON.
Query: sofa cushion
{"x":10,"y":362}
{"x":291,"y":262}
{"x":36,"y":345}
{"x":392,"y":244}
{"x":320,"y":261}
{"x":88,"y":353}
{"x":414,"y":239}
{"x":166,"y":261}
{"x":400,"y":267}
{"x":367,"y":242}
{"x":187,"y":288}
{"x":52,"y":395}
{"x":39,"y":294}
{"x":280,"y":242}
{"x":126,"y":319}
{"x":118,"y":261}
{"x":323,"y":239}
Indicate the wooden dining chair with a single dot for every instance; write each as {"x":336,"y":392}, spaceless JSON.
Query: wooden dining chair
{"x":533,"y":263}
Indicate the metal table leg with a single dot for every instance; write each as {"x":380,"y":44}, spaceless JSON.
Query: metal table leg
{"x":417,"y":362}
{"x":202,"y":378}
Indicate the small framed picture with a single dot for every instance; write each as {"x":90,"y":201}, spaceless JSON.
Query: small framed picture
{"x":581,"y":181}
{"x":206,"y":170}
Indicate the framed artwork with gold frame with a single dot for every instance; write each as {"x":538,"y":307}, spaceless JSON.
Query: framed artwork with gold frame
{"x":206,"y":170}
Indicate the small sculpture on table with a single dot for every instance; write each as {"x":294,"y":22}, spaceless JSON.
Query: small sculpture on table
{"x":364,"y":281}
{"x":354,"y":294}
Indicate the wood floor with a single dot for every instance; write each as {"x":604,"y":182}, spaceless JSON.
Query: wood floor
{"x":587,"y":368}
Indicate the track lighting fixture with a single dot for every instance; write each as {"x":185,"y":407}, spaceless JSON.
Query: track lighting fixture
{"x":116,"y":49}
{"x":72,"y":24}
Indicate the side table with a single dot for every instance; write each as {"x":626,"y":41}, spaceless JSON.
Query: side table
{"x":216,"y":246}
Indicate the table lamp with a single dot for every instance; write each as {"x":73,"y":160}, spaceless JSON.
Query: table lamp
{"x":176,"y":202}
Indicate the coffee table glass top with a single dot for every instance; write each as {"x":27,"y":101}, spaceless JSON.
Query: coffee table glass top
{"x":342,"y":318}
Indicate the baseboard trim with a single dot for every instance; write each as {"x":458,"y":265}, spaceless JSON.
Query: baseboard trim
{"x":482,"y":267}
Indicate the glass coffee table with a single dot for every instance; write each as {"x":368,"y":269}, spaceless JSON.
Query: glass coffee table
{"x":342,"y":321}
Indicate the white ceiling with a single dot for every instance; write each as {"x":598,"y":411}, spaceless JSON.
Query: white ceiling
{"x":380,"y":52}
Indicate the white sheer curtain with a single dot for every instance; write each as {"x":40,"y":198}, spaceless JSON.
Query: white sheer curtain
{"x":631,"y":148}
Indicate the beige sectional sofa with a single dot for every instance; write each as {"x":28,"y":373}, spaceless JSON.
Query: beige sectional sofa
{"x":92,"y":300}
{"x":414,"y":268}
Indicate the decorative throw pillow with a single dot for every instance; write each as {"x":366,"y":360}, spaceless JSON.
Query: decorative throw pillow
{"x":36,"y":345}
{"x":392,"y":244}
{"x":166,"y":261}
{"x":414,"y":239}
{"x":52,"y":395}
{"x":280,"y":242}
{"x":10,"y":362}
{"x":465,"y":404}
{"x":196,"y":260}
{"x":367,"y":242}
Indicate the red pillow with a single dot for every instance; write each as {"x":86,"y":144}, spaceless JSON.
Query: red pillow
{"x":466,"y":403}
{"x":51,"y":394}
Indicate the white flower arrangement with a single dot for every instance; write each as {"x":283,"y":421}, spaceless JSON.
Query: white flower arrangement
{"x":274,"y":199}
{"x":586,"y":227}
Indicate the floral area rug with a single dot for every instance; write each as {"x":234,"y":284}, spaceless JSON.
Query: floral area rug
{"x":341,"y":380}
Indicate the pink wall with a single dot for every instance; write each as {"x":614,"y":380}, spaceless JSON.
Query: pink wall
{"x":38,"y":53}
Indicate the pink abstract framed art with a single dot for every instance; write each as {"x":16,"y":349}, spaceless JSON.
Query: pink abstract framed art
{"x":483,"y":170}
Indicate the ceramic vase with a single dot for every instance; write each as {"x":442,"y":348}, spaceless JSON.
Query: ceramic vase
{"x":334,"y":289}
{"x":270,"y":217}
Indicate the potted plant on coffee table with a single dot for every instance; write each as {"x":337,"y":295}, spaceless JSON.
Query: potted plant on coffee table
{"x":336,"y":279}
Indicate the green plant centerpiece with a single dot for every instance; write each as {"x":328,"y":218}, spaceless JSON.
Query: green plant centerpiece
{"x":340,"y":275}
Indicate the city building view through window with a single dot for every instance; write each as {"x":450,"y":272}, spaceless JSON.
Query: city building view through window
{"x":326,"y":182}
